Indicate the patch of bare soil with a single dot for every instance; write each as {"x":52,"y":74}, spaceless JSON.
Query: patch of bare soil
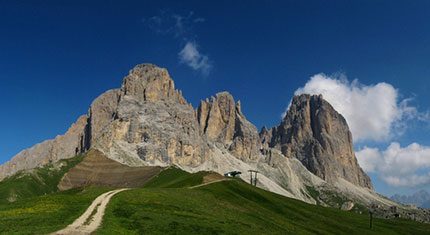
{"x":98,"y":170}
{"x":212,"y":176}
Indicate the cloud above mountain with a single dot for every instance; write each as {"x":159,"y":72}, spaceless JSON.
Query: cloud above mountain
{"x":190,"y":56}
{"x":397,"y":166}
{"x":373,"y":112}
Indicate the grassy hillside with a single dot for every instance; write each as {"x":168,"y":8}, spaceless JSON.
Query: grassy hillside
{"x":166,"y":205}
{"x":175,"y":178}
{"x":47,"y":213}
{"x":231,"y":207}
{"x":35,"y":182}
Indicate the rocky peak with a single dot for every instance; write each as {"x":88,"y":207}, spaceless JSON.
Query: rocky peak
{"x":314,"y":133}
{"x":144,"y":83}
{"x":147,"y":82}
{"x":221,"y":119}
{"x":217,"y":116}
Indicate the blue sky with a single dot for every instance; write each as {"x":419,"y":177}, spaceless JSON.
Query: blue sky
{"x":57,"y":56}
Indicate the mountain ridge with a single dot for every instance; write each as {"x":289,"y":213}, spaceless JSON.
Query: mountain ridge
{"x":420,"y":198}
{"x":114,"y":124}
{"x":147,"y":122}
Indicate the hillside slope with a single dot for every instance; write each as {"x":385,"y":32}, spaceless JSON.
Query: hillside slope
{"x":232,"y":207}
{"x":167,"y":204}
{"x":37,"y":181}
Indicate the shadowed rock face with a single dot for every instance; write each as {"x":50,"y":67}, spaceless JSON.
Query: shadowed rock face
{"x":98,"y":170}
{"x":314,"y":133}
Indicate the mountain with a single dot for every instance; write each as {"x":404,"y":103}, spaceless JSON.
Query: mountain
{"x":314,"y":133}
{"x":421,"y":199}
{"x":147,"y":122}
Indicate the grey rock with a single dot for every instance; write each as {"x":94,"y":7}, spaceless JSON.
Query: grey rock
{"x":221,"y":120}
{"x":265,"y":137}
{"x":347,"y":206}
{"x":314,"y":133}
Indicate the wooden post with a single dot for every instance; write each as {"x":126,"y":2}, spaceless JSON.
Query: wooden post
{"x":250,"y":172}
{"x":371,"y":219}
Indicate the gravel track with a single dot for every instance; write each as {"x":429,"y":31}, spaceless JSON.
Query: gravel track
{"x":86,"y":224}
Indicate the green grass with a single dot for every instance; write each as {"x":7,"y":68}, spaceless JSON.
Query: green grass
{"x":175,"y":178}
{"x":333,"y":199}
{"x":231,"y":207}
{"x":166,"y":205}
{"x":313,"y":193}
{"x":47,"y":213}
{"x":35,"y":182}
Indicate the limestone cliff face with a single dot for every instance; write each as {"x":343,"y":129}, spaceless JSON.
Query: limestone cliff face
{"x":150,"y":123}
{"x":314,"y":133}
{"x":149,"y":83}
{"x":221,"y":120}
{"x":101,"y":113}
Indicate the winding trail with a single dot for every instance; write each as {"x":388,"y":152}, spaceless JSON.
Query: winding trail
{"x":215,"y":181}
{"x":92,"y":217}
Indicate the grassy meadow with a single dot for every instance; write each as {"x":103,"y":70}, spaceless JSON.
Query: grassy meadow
{"x":167,"y":205}
{"x":231,"y":207}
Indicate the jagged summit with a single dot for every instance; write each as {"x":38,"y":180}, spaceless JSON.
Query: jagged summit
{"x":221,"y":119}
{"x":144,"y":68}
{"x":316,"y":134}
{"x":147,"y":82}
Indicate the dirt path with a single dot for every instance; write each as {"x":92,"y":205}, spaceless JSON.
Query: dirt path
{"x":200,"y":185}
{"x":92,"y":217}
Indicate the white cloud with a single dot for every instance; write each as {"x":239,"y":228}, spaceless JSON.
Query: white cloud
{"x":180,"y":27}
{"x":398,"y":166}
{"x":369,"y":159}
{"x":372,"y":112}
{"x":190,"y":56}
